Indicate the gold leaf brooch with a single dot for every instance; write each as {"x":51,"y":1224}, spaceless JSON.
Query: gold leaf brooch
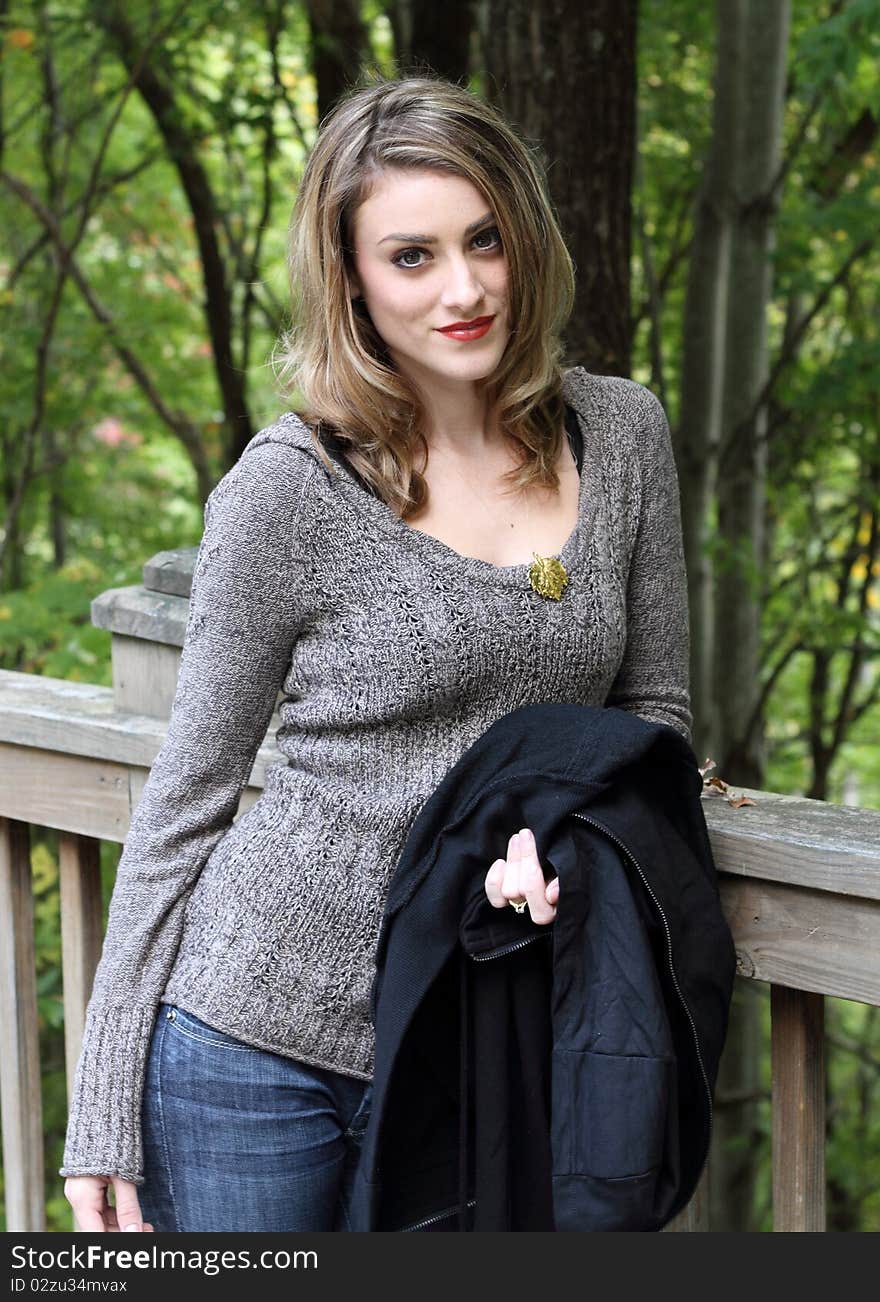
{"x":547,"y":576}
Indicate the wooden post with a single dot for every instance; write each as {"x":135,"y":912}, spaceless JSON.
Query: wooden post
{"x":20,"y":1099}
{"x":695,"y":1216}
{"x":79,"y":866}
{"x":798,"y":1073}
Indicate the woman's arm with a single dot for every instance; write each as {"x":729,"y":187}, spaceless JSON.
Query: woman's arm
{"x":245,"y":613}
{"x":653,"y":678}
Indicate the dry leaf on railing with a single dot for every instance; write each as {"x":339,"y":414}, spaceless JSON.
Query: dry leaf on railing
{"x":718,"y":787}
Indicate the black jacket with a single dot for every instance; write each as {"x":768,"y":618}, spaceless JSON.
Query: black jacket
{"x":540,"y":1077}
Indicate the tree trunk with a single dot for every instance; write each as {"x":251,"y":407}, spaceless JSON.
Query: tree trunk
{"x":580,"y":54}
{"x":55,"y":504}
{"x":11,"y":552}
{"x":742,"y":459}
{"x":339,"y":46}
{"x":703,"y":350}
{"x":433,"y":37}
{"x":158,"y":95}
{"x":741,"y":487}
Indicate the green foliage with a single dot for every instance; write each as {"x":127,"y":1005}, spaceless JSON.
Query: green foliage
{"x":43,"y":629}
{"x":109,"y":384}
{"x":121,"y":507}
{"x":823,"y":441}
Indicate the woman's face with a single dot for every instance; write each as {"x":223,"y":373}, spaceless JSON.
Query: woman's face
{"x":428,"y":255}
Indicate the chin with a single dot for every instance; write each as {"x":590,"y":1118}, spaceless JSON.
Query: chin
{"x":424,"y":360}
{"x":467,"y":373}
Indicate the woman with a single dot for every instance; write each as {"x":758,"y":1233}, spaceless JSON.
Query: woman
{"x":421,"y":555}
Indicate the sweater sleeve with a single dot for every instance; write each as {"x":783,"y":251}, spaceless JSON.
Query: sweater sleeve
{"x":653,"y":678}
{"x":244,"y":616}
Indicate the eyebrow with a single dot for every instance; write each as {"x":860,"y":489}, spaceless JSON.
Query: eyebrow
{"x":432,"y":239}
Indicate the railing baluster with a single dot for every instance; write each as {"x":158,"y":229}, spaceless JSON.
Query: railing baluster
{"x":798,"y":1074}
{"x":79,"y":866}
{"x":695,"y":1216}
{"x":20,"y":1098}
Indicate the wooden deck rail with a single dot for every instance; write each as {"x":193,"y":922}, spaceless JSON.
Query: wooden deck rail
{"x":800,"y":886}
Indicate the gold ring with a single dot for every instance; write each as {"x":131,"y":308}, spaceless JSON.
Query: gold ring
{"x":520,"y":907}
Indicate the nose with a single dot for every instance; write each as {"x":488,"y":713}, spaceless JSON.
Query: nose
{"x":462,"y":289}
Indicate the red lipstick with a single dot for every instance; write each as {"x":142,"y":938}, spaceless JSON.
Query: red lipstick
{"x":465,"y":330}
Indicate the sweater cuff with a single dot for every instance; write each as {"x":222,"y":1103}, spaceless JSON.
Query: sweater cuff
{"x":104,"y":1124}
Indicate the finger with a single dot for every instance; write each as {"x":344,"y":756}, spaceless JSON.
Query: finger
{"x":511,"y":887}
{"x":88,"y":1210}
{"x":532,"y":880}
{"x":494,"y":878}
{"x":88,"y":1222}
{"x":552,"y":892}
{"x":128,"y":1210}
{"x":113,"y":1225}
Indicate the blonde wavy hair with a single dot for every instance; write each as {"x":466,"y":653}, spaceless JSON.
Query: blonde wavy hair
{"x":333,"y":356}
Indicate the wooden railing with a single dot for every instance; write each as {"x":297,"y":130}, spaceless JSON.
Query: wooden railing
{"x":800,"y":886}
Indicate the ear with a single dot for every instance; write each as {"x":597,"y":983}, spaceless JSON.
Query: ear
{"x":354,"y":286}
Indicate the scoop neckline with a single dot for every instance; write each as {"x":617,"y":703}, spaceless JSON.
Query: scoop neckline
{"x":434,"y":549}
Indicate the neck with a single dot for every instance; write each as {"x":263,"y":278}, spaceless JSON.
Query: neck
{"x":459,"y":421}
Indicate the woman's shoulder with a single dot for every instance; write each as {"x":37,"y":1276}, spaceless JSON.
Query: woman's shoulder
{"x":611,"y":395}
{"x":270,"y":481}
{"x":628,"y":421}
{"x":286,"y":438}
{"x":630,"y":430}
{"x":285,"y":452}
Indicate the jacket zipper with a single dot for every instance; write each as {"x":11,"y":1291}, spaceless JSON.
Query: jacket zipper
{"x":508,"y":949}
{"x":607,"y":831}
{"x":438,"y":1216}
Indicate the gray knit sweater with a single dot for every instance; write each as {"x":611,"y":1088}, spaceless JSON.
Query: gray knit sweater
{"x":394,"y":653}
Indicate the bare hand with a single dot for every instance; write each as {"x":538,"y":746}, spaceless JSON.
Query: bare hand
{"x":92,"y":1213}
{"x":520,"y":876}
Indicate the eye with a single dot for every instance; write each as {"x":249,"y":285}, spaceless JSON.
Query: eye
{"x":490,"y":230}
{"x":397,"y":260}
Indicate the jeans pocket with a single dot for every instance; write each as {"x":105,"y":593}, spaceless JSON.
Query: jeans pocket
{"x":186,"y":1023}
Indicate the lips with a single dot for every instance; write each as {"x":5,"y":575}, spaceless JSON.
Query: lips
{"x":461,"y":327}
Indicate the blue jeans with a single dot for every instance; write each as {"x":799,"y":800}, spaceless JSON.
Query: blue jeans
{"x":236,"y":1138}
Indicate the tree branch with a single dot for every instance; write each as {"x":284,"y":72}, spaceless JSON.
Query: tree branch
{"x":176,"y":422}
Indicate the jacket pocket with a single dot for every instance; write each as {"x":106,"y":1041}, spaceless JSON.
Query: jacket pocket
{"x":610,"y":1113}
